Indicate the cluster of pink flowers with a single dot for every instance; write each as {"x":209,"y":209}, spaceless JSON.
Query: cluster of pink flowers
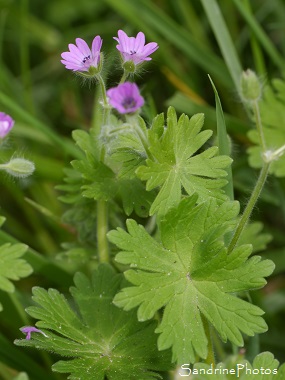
{"x":125,"y":98}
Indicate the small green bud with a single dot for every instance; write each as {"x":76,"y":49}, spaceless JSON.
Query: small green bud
{"x":93,"y":71}
{"x":129,"y":67}
{"x":19,"y":167}
{"x":250,"y":86}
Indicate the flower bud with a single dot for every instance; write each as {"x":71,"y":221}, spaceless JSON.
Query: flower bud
{"x":19,"y":167}
{"x":250,"y":87}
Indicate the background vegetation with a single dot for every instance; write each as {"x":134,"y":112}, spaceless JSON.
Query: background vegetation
{"x":47,"y":103}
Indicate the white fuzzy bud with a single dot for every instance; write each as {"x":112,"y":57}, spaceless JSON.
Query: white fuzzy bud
{"x":19,"y":167}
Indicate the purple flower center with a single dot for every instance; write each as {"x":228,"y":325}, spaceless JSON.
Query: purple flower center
{"x":125,"y":97}
{"x":129,"y":102}
{"x":132,"y":52}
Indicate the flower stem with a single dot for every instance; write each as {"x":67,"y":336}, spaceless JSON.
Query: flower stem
{"x":124,"y":76}
{"x":102,"y":229}
{"x":102,"y":206}
{"x":259,"y":125}
{"x":251,"y":203}
{"x":106,"y":107}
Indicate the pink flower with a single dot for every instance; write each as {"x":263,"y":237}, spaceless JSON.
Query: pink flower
{"x":6,"y":124}
{"x":125,"y":97}
{"x":134,"y":48}
{"x":80,"y":57}
{"x":29,"y":329}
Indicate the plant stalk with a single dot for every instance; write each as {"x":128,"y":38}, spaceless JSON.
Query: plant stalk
{"x":259,"y":126}
{"x":105,"y":103}
{"x":102,"y":229}
{"x":251,"y":203}
{"x":124,"y":77}
{"x":102,"y":205}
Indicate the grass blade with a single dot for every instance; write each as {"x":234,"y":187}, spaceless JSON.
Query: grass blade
{"x":224,"y":40}
{"x":260,"y":35}
{"x":153,"y":20}
{"x":223,"y":141}
{"x":17,"y":112}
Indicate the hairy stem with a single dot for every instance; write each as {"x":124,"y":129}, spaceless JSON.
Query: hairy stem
{"x":102,"y":206}
{"x":259,"y":126}
{"x":260,"y":182}
{"x":102,"y":229}
{"x":124,"y":77}
{"x":251,"y":203}
{"x":105,"y":103}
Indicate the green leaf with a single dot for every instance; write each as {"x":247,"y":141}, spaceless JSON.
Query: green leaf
{"x":127,"y":147}
{"x":21,"y":376}
{"x":224,"y":39}
{"x":101,"y":340}
{"x":252,"y":235}
{"x":82,"y":212}
{"x":174,"y":165}
{"x":116,"y":177}
{"x":12,"y":267}
{"x":190,"y":273}
{"x":273,"y":118}
{"x":135,"y":197}
{"x":264,"y":367}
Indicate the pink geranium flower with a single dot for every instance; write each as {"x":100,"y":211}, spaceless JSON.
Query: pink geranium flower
{"x":6,"y":124}
{"x":80,"y":57}
{"x":125,"y":98}
{"x":134,"y":48}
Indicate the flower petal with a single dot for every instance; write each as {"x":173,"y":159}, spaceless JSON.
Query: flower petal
{"x":123,"y":40}
{"x":140,"y":41}
{"x":73,"y":49}
{"x":134,"y":48}
{"x":150,"y":48}
{"x":83,"y":47}
{"x":125,"y":98}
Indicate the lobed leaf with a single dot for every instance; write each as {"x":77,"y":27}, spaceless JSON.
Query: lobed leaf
{"x":12,"y":267}
{"x":176,"y":166}
{"x":191,"y":274}
{"x":100,"y":340}
{"x":115,"y":177}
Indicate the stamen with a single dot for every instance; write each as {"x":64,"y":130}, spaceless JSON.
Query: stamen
{"x":85,"y":59}
{"x":129,"y":103}
{"x":132,"y":52}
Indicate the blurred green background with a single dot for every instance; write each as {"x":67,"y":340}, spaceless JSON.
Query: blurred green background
{"x":48,"y":102}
